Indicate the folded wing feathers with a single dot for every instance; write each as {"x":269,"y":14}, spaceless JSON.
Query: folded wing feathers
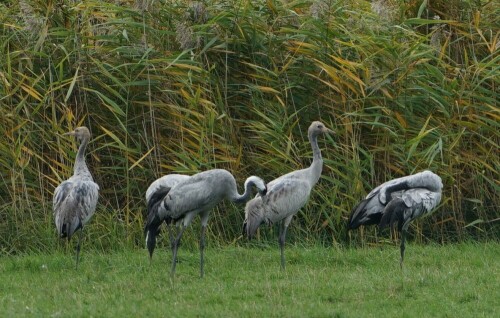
{"x":401,"y":200}
{"x":284,"y":198}
{"x":73,"y":205}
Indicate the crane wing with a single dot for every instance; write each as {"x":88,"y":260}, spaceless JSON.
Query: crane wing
{"x":429,"y":199}
{"x":60,"y":194}
{"x":370,"y":210}
{"x":408,"y":206}
{"x":74,"y":204}
{"x":285,"y":198}
{"x":190,"y":195}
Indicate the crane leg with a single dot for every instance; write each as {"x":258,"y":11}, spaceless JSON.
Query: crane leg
{"x":402,"y":247}
{"x":170,"y":235}
{"x":175,"y":246}
{"x":78,"y":246}
{"x":202,"y":248}
{"x":204,"y":222}
{"x":281,"y":241}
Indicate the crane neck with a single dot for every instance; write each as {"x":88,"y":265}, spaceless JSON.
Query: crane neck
{"x":80,"y":167}
{"x":317,"y":162}
{"x":313,"y":139}
{"x":242,"y":198}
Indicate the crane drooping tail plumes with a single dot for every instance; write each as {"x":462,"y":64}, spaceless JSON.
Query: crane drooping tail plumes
{"x":154,"y":220}
{"x":75,"y":199}
{"x":399,"y":201}
{"x":196,"y":195}
{"x":287,"y":194}
{"x":156,"y":213}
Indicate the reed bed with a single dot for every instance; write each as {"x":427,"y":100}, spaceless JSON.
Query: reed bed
{"x":177,"y":86}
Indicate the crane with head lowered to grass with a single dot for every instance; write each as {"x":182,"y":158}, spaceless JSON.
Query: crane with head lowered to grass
{"x":192,"y":196}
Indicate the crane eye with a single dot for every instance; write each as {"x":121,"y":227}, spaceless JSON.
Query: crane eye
{"x":320,"y":126}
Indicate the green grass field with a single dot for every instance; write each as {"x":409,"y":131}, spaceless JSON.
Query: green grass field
{"x":459,"y":280}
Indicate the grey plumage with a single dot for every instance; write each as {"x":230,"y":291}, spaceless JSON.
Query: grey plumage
{"x":287,"y":194}
{"x":195,"y":195}
{"x":75,"y":199}
{"x":399,"y":201}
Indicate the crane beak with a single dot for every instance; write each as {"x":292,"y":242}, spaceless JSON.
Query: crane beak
{"x":70,"y":133}
{"x":329,"y":131}
{"x":263,"y":192}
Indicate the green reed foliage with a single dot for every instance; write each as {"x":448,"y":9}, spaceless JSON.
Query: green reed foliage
{"x":171,"y":86}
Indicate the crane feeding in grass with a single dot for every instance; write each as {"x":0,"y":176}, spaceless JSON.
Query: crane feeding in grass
{"x":75,"y":199}
{"x":192,"y":196}
{"x":400,"y":201}
{"x":287,"y":194}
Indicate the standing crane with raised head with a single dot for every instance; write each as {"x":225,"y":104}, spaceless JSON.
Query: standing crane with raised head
{"x":75,"y":199}
{"x":400,"y":201}
{"x":287,"y":194}
{"x":195,"y":195}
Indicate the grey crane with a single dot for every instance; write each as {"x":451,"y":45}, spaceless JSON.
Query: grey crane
{"x":287,"y":194}
{"x":400,"y":201}
{"x":75,"y":199}
{"x":194,"y":195}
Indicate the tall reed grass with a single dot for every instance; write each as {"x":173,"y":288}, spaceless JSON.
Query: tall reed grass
{"x":173,"y":86}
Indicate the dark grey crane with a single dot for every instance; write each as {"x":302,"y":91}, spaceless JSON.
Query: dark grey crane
{"x":400,"y":201}
{"x":195,"y":195}
{"x":287,"y":194}
{"x":75,"y":199}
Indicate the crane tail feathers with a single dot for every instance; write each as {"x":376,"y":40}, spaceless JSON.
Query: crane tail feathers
{"x":244,"y":231}
{"x":153,"y":221}
{"x":154,"y":204}
{"x":66,"y":230}
{"x":255,"y":217}
{"x":251,"y":227}
{"x":360,"y":216}
{"x":354,"y":218}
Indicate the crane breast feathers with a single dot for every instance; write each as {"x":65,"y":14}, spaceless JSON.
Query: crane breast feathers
{"x":77,"y":196}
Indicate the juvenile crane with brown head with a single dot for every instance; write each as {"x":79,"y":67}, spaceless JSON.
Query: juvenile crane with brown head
{"x":287,"y":194}
{"x":75,"y":199}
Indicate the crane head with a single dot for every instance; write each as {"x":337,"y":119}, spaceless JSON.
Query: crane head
{"x":317,"y":128}
{"x":80,"y":133}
